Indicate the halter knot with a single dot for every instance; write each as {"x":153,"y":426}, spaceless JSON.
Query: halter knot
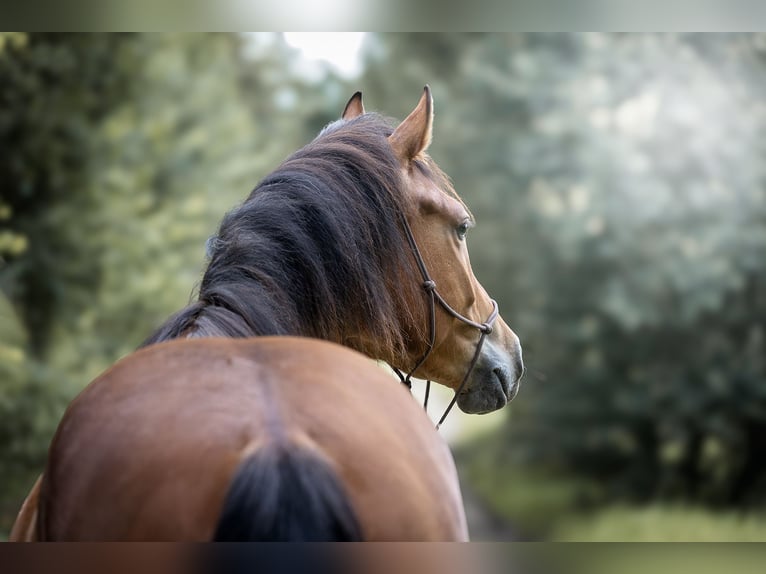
{"x":486,"y":328}
{"x":429,"y":285}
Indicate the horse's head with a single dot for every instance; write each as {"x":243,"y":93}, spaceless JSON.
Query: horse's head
{"x":439,"y":222}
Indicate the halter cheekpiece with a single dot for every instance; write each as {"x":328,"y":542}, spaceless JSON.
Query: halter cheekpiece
{"x":429,"y":286}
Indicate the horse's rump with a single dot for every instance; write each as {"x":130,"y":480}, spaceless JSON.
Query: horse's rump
{"x":150,"y":449}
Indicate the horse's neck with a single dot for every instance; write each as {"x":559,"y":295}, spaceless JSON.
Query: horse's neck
{"x":239,"y":301}
{"x":262,"y":317}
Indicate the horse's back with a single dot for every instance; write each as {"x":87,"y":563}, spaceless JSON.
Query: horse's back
{"x":148,"y":450}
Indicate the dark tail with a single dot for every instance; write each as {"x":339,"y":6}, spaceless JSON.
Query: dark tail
{"x":286,"y":493}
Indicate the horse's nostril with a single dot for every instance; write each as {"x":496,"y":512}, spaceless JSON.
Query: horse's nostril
{"x":502,"y":377}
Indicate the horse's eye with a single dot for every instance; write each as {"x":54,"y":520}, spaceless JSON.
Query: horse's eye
{"x":462,"y":229}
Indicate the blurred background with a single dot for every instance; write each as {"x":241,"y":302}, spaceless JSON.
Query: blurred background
{"x":619,"y":183}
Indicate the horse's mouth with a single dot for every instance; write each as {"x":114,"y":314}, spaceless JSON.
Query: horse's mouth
{"x":498,"y":388}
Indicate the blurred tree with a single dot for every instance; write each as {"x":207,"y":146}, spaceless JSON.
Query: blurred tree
{"x":54,"y":90}
{"x":618,"y":181}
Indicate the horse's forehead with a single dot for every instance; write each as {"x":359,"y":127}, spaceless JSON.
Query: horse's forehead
{"x":431,"y":199}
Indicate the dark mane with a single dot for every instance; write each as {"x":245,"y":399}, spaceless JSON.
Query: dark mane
{"x":316,"y":250}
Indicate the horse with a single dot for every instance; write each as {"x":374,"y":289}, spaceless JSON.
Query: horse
{"x":255,"y":413}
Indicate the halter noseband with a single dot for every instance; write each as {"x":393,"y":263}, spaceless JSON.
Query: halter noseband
{"x":429,"y":285}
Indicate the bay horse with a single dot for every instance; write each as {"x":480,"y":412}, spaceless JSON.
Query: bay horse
{"x":255,"y":413}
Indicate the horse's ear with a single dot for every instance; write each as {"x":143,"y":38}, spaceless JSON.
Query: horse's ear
{"x":354,"y":108}
{"x":413,"y":136}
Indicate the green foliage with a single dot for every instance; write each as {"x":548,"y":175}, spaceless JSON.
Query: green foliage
{"x":171,"y":159}
{"x":30,"y":406}
{"x":54,"y":89}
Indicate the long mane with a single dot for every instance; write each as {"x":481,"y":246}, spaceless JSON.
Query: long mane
{"x":317,"y":250}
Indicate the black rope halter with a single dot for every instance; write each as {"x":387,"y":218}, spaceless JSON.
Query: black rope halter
{"x":429,"y":285}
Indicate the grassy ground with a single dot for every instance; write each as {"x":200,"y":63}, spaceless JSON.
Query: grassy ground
{"x":641,"y":558}
{"x":658,"y":523}
{"x":541,"y":504}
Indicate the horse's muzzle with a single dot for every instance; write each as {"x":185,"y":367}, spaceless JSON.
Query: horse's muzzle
{"x":495,"y":381}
